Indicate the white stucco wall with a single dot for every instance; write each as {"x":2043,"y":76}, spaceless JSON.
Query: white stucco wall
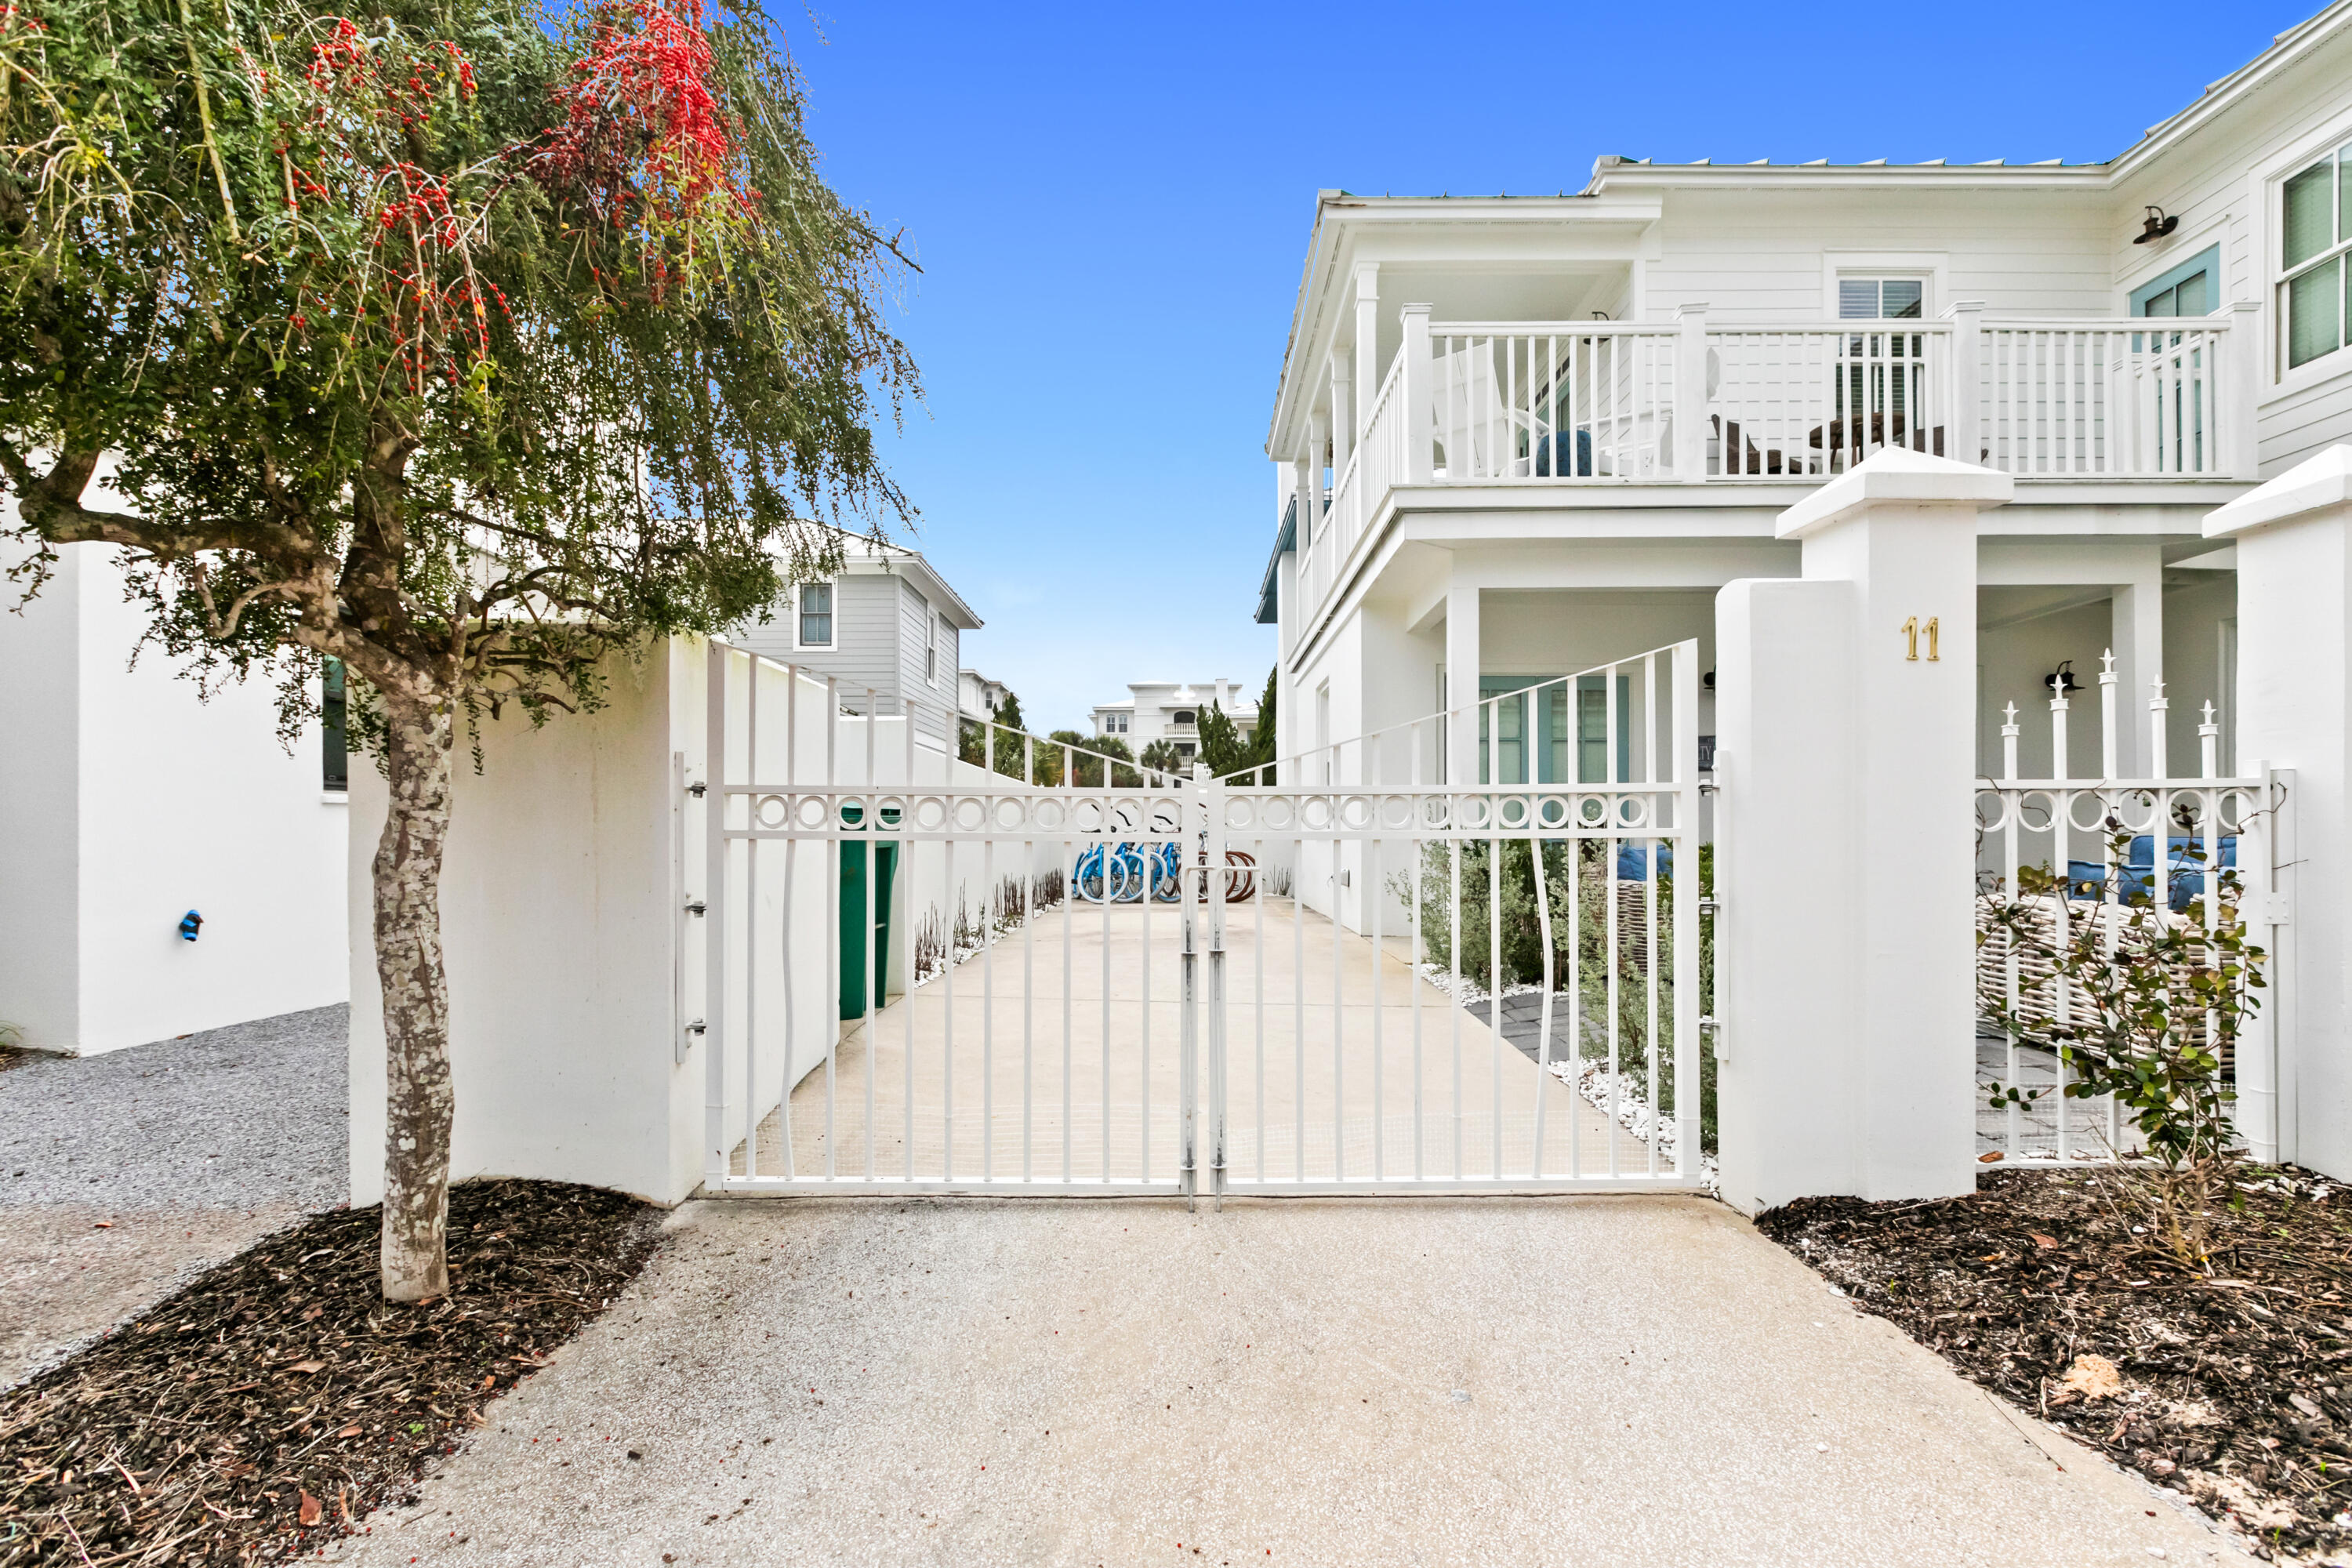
{"x":127,"y":799}
{"x":557,"y":916}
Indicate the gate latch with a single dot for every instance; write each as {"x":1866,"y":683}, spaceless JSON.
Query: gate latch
{"x":697,"y":1027}
{"x":1712,"y":1028}
{"x":696,"y":789}
{"x":1709,"y":907}
{"x":697,"y":908}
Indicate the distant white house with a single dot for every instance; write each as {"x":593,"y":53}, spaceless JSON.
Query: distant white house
{"x":887,"y":628}
{"x":128,"y":806}
{"x":977,"y":696}
{"x":1170,"y":711}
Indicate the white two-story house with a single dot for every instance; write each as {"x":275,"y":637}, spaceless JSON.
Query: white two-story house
{"x":1518,"y":437}
{"x":1170,"y":711}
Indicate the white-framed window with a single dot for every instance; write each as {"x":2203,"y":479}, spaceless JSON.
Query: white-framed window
{"x":932,"y":647}
{"x":1881,"y":299}
{"x":813,"y":620}
{"x":2314,"y":269}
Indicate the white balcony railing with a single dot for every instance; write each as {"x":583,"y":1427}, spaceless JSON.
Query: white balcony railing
{"x":1602,"y":404}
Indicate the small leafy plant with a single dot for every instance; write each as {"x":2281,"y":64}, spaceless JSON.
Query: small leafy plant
{"x":2155,"y":1004}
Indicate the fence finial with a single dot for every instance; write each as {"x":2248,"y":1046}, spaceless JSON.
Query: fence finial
{"x":2208,"y":740}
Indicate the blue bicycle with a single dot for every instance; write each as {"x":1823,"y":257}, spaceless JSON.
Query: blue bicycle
{"x":1121,"y":874}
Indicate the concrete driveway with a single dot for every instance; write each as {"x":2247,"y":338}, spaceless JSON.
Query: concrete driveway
{"x":1067,"y":1031}
{"x":1587,"y":1380}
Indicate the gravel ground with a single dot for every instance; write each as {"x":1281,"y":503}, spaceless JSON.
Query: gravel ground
{"x":120,"y":1174}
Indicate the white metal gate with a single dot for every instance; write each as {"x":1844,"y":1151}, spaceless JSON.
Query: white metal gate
{"x":1130,"y":982}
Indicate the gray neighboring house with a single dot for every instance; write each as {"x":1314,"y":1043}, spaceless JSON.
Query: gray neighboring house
{"x":887,"y":624}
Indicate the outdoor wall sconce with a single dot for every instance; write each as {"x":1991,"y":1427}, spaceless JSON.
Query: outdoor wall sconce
{"x":190,"y":923}
{"x":2156,"y":225}
{"x":2061,"y":681}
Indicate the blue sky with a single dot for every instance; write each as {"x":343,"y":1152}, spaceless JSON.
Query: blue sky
{"x":1110,"y":203}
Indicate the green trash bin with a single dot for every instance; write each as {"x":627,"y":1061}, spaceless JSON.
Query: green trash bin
{"x":855,"y":900}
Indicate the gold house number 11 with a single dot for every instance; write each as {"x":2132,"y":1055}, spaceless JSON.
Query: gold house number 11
{"x":1911,"y":630}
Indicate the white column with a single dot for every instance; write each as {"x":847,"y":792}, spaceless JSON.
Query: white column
{"x":1318,"y":456}
{"x":1343,"y":422}
{"x":1368,"y":340}
{"x":2135,"y":633}
{"x":1462,"y":685}
{"x":2294,"y":711}
{"x":1846,"y":711}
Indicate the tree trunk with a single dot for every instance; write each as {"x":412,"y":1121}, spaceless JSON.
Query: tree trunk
{"x":420,"y":735}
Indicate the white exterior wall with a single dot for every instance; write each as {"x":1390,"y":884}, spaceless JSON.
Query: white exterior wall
{"x":127,"y":800}
{"x":2221,"y":179}
{"x":558,"y":927}
{"x":1773,"y":255}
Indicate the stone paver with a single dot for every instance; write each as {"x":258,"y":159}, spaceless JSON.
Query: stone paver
{"x":1587,"y":1380}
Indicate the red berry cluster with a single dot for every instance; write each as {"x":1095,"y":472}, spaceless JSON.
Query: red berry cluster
{"x":414,"y":282}
{"x":642,"y":136}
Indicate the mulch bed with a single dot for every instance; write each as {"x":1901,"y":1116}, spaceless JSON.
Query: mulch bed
{"x":2236,"y":1388}
{"x":266,"y":1408}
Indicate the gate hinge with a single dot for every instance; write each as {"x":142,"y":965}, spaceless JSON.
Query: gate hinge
{"x":697,"y":906}
{"x":1712,"y":1029}
{"x":1709,"y":907}
{"x":696,"y":789}
{"x":1708,"y":786}
{"x":698,"y":1028}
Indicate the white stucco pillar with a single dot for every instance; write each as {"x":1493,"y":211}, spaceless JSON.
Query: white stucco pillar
{"x":1462,"y":684}
{"x":1367,"y":356}
{"x":2295,"y":712}
{"x":1845,"y":713}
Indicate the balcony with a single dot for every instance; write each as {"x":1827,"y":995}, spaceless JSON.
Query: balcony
{"x":1592,"y":405}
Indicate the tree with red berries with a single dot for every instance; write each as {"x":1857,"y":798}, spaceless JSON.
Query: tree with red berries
{"x":469,"y":345}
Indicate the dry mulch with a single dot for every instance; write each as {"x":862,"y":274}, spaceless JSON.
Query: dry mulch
{"x":266,"y":1408}
{"x":2236,"y":1388}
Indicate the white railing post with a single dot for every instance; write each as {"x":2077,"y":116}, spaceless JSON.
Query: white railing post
{"x":2109,"y":713}
{"x":2008,"y":729}
{"x":1418,"y":419}
{"x":2238,"y":388}
{"x":2209,"y":744}
{"x":1690,"y":393}
{"x":1964,"y":408}
{"x":2160,"y":755}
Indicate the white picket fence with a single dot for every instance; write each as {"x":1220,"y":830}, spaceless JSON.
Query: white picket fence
{"x":2201,"y":835}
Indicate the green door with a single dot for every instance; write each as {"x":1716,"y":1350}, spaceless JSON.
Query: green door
{"x":854,"y":931}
